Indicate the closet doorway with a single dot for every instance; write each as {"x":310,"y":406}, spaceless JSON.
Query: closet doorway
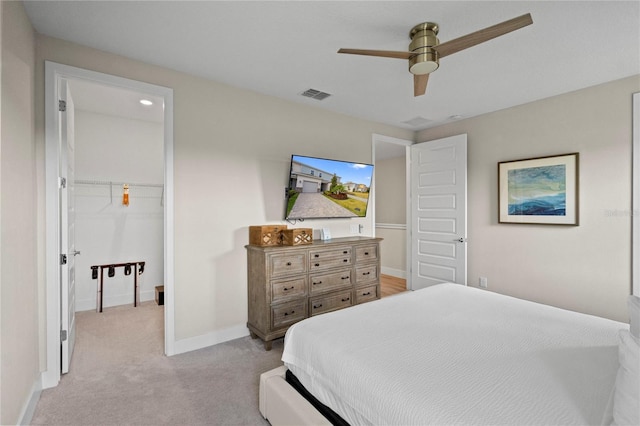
{"x":391,"y":196}
{"x":117,"y":141}
{"x":118,"y":194}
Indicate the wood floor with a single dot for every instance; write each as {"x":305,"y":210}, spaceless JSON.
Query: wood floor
{"x":392,"y":285}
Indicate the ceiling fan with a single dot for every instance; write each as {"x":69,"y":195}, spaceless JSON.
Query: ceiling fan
{"x":425,"y":49}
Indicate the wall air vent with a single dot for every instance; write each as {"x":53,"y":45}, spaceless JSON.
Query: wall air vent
{"x":315,"y":94}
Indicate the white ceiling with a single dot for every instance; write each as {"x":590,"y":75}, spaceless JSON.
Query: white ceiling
{"x":111,"y":100}
{"x":283,"y":48}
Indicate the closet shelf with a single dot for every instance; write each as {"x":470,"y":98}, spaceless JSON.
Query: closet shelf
{"x":107,"y":182}
{"x":110,"y":184}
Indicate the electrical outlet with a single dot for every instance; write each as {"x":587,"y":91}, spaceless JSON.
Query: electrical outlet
{"x":483,"y":282}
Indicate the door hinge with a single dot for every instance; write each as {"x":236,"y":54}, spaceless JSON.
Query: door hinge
{"x":63,"y":183}
{"x":62,"y":106}
{"x":63,"y":259}
{"x":63,"y":335}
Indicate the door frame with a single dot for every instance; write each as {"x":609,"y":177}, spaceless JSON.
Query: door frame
{"x":376,"y":138}
{"x":54,"y":73}
{"x":635,"y":213}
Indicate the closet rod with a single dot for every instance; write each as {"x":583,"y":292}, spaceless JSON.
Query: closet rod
{"x":110,"y":184}
{"x":106,"y":182}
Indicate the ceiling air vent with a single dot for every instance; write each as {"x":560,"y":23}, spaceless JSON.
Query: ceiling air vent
{"x":418,"y":121}
{"x":315,"y":94}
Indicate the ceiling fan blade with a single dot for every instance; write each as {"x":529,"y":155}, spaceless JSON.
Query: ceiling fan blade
{"x":382,"y":53}
{"x":420,"y":84}
{"x":480,"y":36}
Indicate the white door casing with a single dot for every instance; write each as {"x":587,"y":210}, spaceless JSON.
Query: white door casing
{"x":438,"y":212}
{"x":55,"y":74}
{"x":67,"y":226}
{"x":635,"y":213}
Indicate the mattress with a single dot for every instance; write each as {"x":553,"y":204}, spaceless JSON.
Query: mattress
{"x":451,"y":354}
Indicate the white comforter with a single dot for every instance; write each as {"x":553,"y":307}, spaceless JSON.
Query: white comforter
{"x":451,"y":354}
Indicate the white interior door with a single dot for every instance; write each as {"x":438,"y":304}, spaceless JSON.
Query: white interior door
{"x":439,"y":212}
{"x":67,"y":228}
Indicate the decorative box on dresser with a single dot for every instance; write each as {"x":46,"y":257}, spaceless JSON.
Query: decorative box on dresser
{"x":287,"y":284}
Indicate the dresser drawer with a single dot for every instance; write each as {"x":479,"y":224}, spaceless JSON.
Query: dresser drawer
{"x":284,"y":264}
{"x":330,"y":302}
{"x":288,"y":313}
{"x":320,"y":254}
{"x":366,"y":294}
{"x":288,"y":289}
{"x":330,"y":281}
{"x":365,"y":253}
{"x":329,"y":262}
{"x":329,"y":258}
{"x":366,"y":273}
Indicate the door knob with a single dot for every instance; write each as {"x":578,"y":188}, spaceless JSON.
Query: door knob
{"x":75,"y":252}
{"x":461,"y":240}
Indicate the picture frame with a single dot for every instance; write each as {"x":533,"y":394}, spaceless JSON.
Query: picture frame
{"x":542,"y":190}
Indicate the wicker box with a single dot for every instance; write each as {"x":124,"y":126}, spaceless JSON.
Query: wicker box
{"x":296,"y":237}
{"x":266,"y":235}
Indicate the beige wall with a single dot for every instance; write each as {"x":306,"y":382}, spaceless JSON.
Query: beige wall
{"x":585,"y":268}
{"x":19,"y":363}
{"x":390,"y":190}
{"x":391,"y":214}
{"x":232,"y":151}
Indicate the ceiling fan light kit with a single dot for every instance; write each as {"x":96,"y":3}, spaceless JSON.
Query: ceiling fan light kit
{"x":423,"y":39}
{"x":425,"y":49}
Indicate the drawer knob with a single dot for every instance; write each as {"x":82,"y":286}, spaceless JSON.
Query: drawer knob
{"x":288,"y":263}
{"x":366,"y":273}
{"x":317,"y":306}
{"x":317,"y":264}
{"x":345,"y":300}
{"x":345,"y":252}
{"x":366,"y":253}
{"x":287,"y":313}
{"x":345,"y":260}
{"x":287,"y":288}
{"x":345,"y":278}
{"x":317,"y":255}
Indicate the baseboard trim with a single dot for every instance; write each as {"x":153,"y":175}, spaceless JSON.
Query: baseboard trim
{"x":398,"y":273}
{"x":209,"y":339}
{"x":29,"y":408}
{"x":107,"y":302}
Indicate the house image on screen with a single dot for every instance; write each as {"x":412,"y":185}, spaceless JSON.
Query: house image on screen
{"x":356,"y":187}
{"x":305,"y":178}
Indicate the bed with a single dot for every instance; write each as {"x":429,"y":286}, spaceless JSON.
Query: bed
{"x":451,"y":354}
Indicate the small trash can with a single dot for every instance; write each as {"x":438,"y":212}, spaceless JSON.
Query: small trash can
{"x":160,"y":295}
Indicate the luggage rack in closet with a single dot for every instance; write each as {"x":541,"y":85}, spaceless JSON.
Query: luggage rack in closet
{"x":138,"y":269}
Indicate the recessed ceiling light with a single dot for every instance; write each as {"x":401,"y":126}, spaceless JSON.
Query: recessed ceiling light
{"x":146,"y":102}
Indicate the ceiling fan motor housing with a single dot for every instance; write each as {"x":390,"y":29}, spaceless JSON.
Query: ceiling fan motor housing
{"x":423,"y":39}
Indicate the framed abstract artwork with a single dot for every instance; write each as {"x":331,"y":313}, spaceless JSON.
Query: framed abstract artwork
{"x":541,"y":190}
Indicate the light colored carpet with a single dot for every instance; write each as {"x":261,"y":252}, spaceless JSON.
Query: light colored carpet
{"x":119,"y":375}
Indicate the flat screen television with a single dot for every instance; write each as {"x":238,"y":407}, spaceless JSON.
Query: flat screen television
{"x":320,"y":188}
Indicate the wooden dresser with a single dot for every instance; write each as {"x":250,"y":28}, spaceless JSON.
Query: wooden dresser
{"x":290,"y":283}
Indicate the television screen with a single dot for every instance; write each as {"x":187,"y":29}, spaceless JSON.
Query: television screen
{"x":321,"y":189}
